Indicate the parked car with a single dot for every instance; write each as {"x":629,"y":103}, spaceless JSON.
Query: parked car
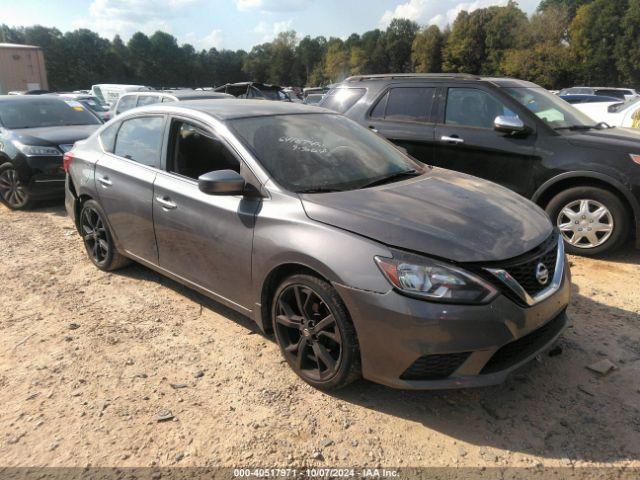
{"x":92,"y":103}
{"x":109,"y":93}
{"x":517,"y":134}
{"x":35,"y":131}
{"x":139,"y":99}
{"x":313,"y":99}
{"x":254,"y":90}
{"x":620,"y":93}
{"x":617,"y":114}
{"x":360,"y":259}
{"x":575,"y":99}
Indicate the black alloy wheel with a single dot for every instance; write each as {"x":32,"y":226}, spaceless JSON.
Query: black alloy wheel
{"x":94,"y":235}
{"x":314,"y":333}
{"x":12,"y":190}
{"x":97,"y":238}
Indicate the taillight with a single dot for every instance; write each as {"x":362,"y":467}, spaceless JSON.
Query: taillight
{"x":66,"y":161}
{"x":635,"y":158}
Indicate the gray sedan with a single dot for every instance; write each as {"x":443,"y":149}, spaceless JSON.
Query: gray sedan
{"x":360,"y":260}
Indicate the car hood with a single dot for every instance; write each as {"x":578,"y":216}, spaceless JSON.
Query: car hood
{"x":64,"y":135}
{"x":442,"y":213}
{"x":618,"y":138}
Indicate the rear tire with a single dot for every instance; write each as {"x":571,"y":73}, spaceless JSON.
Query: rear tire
{"x":13,"y":193}
{"x":97,"y":238}
{"x":314,"y":332}
{"x":592,"y":220}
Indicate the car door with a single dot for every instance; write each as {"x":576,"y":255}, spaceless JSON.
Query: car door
{"x":203,"y":238}
{"x":467,"y":141}
{"x":124,"y":178}
{"x":403,"y":114}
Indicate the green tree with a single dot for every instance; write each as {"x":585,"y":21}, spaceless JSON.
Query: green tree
{"x":398,"y":40}
{"x":594,"y":32}
{"x":503,"y":31}
{"x":465,"y":47}
{"x":426,"y":50}
{"x":357,"y":61}
{"x":310,"y":52}
{"x":628,"y":46}
{"x":52,"y":43}
{"x":571,"y":6}
{"x":336,"y":61}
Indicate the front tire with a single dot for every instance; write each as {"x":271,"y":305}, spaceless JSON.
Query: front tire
{"x":13,"y":192}
{"x":314,"y":332}
{"x":592,"y":220}
{"x":97,"y":238}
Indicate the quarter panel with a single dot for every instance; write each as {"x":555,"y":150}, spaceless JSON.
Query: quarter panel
{"x":284,"y":234}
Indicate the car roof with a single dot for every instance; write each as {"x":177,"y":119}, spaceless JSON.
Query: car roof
{"x":440,"y":77}
{"x":29,"y":98}
{"x":239,"y":108}
{"x":180,"y":94}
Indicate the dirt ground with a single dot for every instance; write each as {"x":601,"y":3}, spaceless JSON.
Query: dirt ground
{"x":88,"y":360}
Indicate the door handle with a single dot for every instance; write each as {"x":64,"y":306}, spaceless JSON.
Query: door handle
{"x":105,"y":181}
{"x":166,"y":203}
{"x":447,"y":139}
{"x":373,"y":129}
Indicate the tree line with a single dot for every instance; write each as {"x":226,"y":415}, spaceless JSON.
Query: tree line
{"x":565,"y":42}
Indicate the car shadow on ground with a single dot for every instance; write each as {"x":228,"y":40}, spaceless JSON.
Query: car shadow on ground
{"x":551,"y":408}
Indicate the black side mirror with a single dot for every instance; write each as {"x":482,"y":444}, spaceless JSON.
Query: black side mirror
{"x":506,"y":124}
{"x":221,"y":182}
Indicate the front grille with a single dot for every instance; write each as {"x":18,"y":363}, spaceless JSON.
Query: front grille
{"x":525,"y":273}
{"x":518,"y":350}
{"x":435,"y":367}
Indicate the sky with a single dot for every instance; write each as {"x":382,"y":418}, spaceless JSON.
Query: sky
{"x":234,"y":24}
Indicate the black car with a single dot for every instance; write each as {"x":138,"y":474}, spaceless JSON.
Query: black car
{"x":515,"y":133}
{"x":35,"y":132}
{"x":254,"y":90}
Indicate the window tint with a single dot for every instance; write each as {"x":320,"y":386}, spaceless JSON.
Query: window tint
{"x":342,"y":99}
{"x":108,"y":137}
{"x":196,"y":151}
{"x":126,"y":102}
{"x":140,"y":139}
{"x":409,"y":103}
{"x":473,"y":108}
{"x":148,"y":100}
{"x":378,"y":110}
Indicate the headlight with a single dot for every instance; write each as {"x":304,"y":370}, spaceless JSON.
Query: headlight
{"x":36,"y":150}
{"x":425,"y":278}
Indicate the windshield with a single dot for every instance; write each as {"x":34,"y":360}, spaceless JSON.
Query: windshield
{"x":618,"y":107}
{"x":94,"y":104}
{"x":550,"y":108}
{"x":321,"y":152}
{"x":44,"y":112}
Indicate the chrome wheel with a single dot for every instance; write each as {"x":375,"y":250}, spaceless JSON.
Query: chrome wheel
{"x":585,"y":223}
{"x":12,"y":190}
{"x":308,"y":333}
{"x":94,"y":235}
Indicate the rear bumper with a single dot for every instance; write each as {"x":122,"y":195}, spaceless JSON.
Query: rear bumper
{"x":464,"y":345}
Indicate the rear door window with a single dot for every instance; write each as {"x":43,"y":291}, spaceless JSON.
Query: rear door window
{"x":108,"y":137}
{"x":125,"y":103}
{"x":148,"y":100}
{"x":342,"y":99}
{"x":140,"y":139}
{"x":412,"y":104}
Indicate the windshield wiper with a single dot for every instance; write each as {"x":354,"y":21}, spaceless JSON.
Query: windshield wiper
{"x":319,"y":190}
{"x":390,"y":178}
